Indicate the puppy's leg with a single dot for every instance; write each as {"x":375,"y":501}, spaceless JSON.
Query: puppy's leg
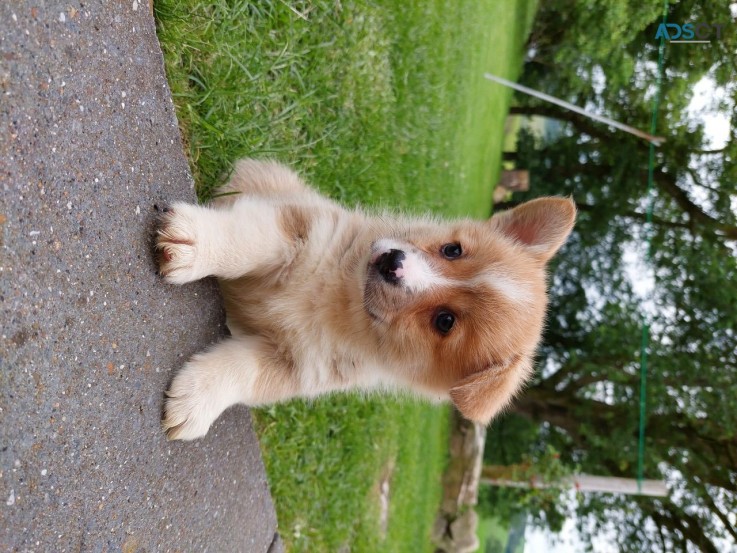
{"x":198,"y":241}
{"x":265,"y":179}
{"x":237,"y":370}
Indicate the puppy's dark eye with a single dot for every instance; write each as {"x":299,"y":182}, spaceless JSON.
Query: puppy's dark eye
{"x":451,"y":251}
{"x":444,"y":321}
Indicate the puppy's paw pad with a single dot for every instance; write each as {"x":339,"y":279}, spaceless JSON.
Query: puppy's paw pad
{"x":176,"y":245}
{"x":186,"y":413}
{"x":181,"y":421}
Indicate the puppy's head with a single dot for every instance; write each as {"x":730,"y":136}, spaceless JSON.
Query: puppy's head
{"x":463,"y":304}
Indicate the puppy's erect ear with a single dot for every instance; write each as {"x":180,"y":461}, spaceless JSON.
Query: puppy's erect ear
{"x":541,"y":225}
{"x":482,"y":395}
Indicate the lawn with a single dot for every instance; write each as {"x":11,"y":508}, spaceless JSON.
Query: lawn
{"x":381,"y":103}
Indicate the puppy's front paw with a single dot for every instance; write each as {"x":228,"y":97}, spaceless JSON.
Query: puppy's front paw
{"x":176,"y":244}
{"x":190,"y":407}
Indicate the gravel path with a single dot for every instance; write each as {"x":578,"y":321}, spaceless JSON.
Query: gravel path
{"x":89,"y":335}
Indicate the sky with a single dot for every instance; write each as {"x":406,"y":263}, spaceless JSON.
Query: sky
{"x":539,"y":541}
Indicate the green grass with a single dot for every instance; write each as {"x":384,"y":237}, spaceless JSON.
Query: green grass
{"x":493,"y":536}
{"x":382,"y":103}
{"x":326,"y":460}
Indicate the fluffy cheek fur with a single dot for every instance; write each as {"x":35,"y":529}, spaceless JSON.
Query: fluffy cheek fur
{"x":496,"y":292}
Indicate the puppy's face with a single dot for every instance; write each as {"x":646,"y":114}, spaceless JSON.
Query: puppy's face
{"x":465,"y":303}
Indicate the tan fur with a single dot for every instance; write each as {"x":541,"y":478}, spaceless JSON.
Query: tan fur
{"x":311,"y":312}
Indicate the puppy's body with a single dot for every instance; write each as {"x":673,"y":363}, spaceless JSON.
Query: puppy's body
{"x":320,"y":298}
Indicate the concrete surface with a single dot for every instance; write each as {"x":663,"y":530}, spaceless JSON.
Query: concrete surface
{"x":90,"y":336}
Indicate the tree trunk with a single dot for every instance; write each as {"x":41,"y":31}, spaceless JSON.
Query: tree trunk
{"x":513,"y":476}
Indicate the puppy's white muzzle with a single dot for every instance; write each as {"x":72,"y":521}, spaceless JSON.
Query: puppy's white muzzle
{"x":402,"y":264}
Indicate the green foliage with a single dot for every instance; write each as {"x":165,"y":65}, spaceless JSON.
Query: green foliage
{"x":587,"y":391}
{"x":492,"y":535}
{"x":579,"y":36}
{"x":518,"y":443}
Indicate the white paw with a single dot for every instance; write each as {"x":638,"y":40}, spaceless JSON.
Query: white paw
{"x":177,"y":245}
{"x":193,"y":402}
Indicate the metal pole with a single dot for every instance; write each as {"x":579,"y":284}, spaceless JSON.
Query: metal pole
{"x":656,"y":140}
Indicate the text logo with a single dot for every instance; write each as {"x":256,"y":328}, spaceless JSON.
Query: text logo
{"x":698,"y":32}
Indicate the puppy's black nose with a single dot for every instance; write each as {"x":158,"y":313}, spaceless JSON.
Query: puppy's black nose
{"x":388,"y":263}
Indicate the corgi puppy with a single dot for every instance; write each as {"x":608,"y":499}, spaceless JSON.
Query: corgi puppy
{"x":321,"y":299}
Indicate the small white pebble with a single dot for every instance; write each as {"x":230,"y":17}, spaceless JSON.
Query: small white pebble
{"x":135,"y":5}
{"x":62,"y":17}
{"x":44,"y":472}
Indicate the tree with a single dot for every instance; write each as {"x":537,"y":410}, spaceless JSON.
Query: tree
{"x":586,"y":395}
{"x":514,"y":442}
